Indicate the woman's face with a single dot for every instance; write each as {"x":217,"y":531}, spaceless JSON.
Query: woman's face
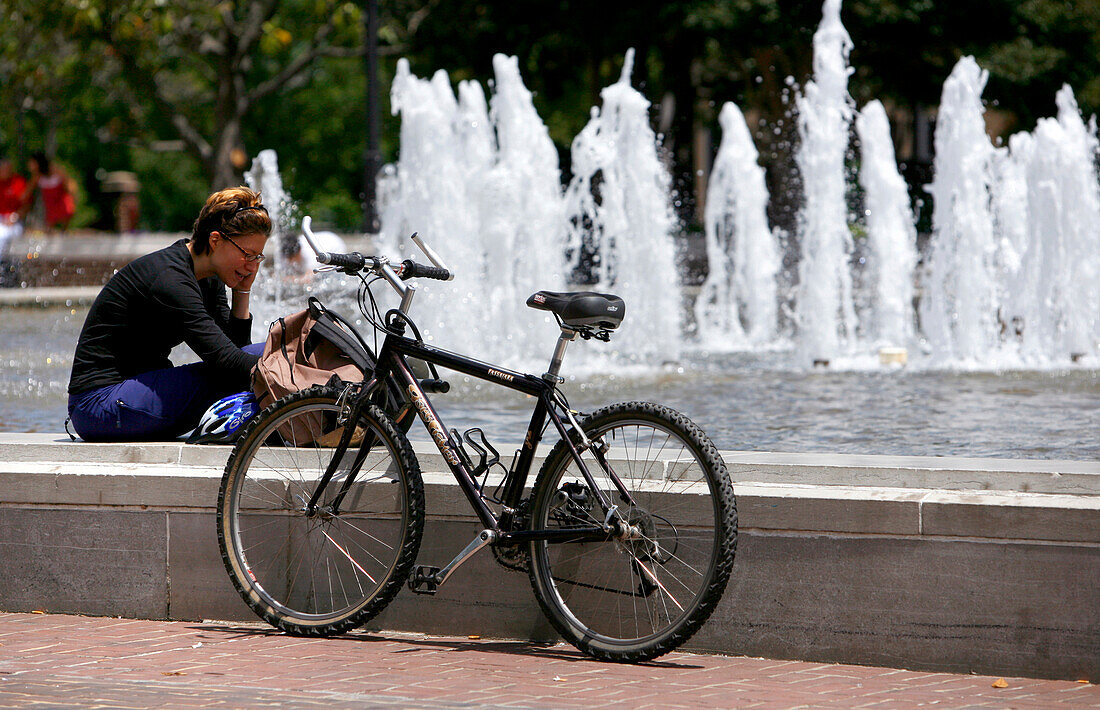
{"x":233,"y":257}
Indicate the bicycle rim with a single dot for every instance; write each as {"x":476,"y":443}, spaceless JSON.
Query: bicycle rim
{"x":328,"y":570}
{"x":635,"y":599}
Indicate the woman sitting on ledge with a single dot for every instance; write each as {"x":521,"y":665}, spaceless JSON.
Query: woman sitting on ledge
{"x":123,"y":386}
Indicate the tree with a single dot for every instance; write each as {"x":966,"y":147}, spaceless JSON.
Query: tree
{"x":200,"y":68}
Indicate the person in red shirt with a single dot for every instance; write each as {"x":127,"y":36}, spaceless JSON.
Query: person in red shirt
{"x":12,"y":187}
{"x":53,"y":184}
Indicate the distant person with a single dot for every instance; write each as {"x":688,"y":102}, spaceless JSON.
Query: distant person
{"x":12,"y":188}
{"x":123,"y":387}
{"x":55,"y":188}
{"x":300,"y":257}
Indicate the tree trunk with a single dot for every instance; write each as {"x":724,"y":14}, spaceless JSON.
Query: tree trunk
{"x":229,"y":156}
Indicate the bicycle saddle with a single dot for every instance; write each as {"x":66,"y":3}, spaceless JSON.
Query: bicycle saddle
{"x":581,"y":309}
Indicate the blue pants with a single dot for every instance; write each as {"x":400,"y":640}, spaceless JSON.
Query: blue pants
{"x":159,"y":405}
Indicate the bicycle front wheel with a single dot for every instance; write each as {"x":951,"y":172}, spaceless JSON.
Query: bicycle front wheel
{"x":634,"y":599}
{"x":322,"y":569}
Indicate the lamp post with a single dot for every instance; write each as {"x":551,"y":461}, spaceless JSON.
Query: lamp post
{"x":372,"y":158}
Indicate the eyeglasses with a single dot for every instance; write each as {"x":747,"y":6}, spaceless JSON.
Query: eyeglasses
{"x":248,"y":256}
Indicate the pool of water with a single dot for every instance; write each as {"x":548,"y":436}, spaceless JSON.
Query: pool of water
{"x":743,"y":401}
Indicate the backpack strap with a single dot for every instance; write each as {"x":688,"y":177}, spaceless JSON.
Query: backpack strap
{"x":335,"y":330}
{"x":286,"y":354}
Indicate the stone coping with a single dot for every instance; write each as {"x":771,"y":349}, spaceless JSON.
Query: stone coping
{"x":1040,"y":476}
{"x":49,"y":296}
{"x":1048,"y":501}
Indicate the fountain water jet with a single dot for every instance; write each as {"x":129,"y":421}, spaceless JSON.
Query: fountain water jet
{"x":960,"y":304}
{"x":271,"y":292}
{"x":891,"y":234}
{"x":482,"y":185}
{"x":619,"y":213}
{"x":1051,"y":289}
{"x":737,"y":306}
{"x":825,"y":308}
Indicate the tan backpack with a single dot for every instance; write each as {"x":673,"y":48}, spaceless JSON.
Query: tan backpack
{"x":309,"y":348}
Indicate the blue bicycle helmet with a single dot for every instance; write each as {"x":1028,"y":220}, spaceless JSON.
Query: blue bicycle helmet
{"x":224,"y":421}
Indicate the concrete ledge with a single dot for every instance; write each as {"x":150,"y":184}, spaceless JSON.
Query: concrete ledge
{"x":47,"y":262}
{"x":997,"y":575}
{"x":46,"y":297}
{"x":918,"y":472}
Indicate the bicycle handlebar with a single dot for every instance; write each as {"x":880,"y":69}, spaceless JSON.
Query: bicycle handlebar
{"x":353,"y":262}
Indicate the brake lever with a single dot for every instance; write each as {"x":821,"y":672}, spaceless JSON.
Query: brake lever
{"x":307,"y":223}
{"x":432,"y":256}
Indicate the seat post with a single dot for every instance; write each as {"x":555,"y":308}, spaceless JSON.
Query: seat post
{"x":567,"y":335}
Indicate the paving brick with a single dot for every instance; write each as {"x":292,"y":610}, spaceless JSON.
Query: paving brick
{"x":53,"y":660}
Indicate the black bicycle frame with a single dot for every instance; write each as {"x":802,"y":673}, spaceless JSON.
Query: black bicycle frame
{"x":391,"y":362}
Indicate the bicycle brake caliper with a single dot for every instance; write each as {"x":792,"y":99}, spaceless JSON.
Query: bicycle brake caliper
{"x":344,"y":403}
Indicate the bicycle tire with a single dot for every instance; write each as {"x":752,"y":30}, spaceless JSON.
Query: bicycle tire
{"x":634,"y":600}
{"x":325,"y":573}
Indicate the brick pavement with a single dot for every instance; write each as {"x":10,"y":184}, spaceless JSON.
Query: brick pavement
{"x":71,"y":661}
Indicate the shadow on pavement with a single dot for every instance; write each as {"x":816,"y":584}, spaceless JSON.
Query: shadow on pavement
{"x":535,"y":649}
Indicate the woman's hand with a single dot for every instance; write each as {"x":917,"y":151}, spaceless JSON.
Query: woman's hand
{"x":245,"y":284}
{"x":239,"y":306}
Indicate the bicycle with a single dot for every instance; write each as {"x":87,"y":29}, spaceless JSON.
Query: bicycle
{"x":628,"y":534}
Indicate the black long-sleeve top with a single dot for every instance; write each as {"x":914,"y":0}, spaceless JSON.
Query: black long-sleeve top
{"x":150,"y":306}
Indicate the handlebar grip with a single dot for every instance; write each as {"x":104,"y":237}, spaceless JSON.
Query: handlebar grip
{"x":411,"y":270}
{"x":347,"y":262}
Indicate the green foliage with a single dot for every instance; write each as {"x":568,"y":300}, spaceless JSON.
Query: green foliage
{"x":1051,"y":43}
{"x":1021,"y":61}
{"x":173,"y":188}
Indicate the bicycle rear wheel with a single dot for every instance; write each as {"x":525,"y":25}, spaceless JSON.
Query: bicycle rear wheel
{"x":635,"y":599}
{"x":326,"y":571}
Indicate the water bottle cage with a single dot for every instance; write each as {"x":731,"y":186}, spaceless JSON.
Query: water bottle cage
{"x":485,"y":461}
{"x":488,"y":457}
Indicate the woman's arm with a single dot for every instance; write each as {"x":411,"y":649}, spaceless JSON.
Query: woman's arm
{"x":201,"y":315}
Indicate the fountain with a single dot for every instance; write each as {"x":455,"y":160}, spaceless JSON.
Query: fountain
{"x":1050,"y":293}
{"x":1012,"y":281}
{"x":1011,"y":278}
{"x":620,"y":219}
{"x":272,"y":293}
{"x":486,"y":186}
{"x":960,"y":306}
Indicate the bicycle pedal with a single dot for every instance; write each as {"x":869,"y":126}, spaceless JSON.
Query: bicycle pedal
{"x":423,"y":580}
